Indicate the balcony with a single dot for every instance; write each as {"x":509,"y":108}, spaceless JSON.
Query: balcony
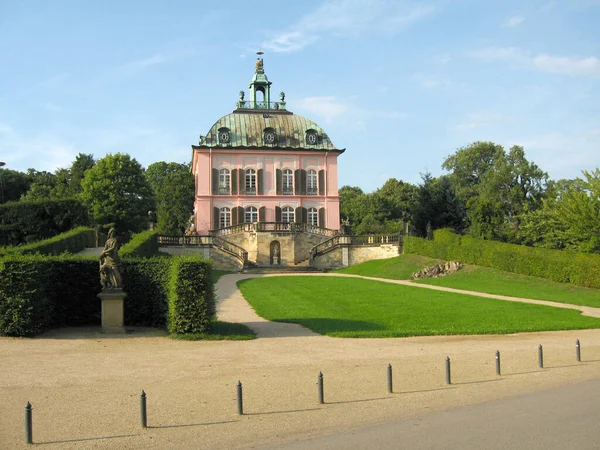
{"x":288,"y":190}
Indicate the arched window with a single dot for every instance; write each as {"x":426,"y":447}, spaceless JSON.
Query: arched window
{"x":251,"y":214}
{"x":225,"y":217}
{"x":224,"y":136}
{"x":250,"y":181}
{"x":288,"y":182}
{"x":287,"y":214}
{"x":313,"y":217}
{"x":311,"y":182}
{"x":224,"y":182}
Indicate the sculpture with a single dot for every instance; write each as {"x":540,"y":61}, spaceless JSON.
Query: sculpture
{"x":242,"y":95}
{"x":110,"y":276}
{"x":259,"y":65}
{"x":282,"y":96}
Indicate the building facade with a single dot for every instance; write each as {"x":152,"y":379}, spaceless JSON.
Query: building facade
{"x":263,"y":164}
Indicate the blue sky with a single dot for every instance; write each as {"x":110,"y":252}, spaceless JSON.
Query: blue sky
{"x":400,"y":84}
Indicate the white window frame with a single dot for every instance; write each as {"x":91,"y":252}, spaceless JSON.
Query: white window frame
{"x":224,"y":182}
{"x":224,"y":217}
{"x":287,"y":214}
{"x":313,"y":217}
{"x":312,"y":182}
{"x":287,"y":181}
{"x":250,"y":181}
{"x":250,"y":214}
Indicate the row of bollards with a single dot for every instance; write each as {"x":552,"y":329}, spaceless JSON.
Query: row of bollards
{"x":320,"y":389}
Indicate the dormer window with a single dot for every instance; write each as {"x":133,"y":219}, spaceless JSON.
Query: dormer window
{"x":269,"y":136}
{"x":224,"y":136}
{"x":311,"y":137}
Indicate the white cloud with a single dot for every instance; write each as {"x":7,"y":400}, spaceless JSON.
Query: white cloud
{"x":331,"y":110}
{"x":150,"y":61}
{"x":513,"y":21}
{"x":347,"y":18}
{"x":572,"y":66}
{"x":480,"y":120}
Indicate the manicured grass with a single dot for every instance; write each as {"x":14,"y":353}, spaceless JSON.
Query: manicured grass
{"x":221,"y":331}
{"x":348,"y":307}
{"x":399,"y":268}
{"x":492,"y":281}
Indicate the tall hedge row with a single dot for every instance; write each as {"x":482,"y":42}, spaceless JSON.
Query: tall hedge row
{"x":24,"y":222}
{"x":40,"y":292}
{"x":141,"y":245}
{"x":557,"y":265}
{"x":71,"y":241}
{"x":191,"y":296}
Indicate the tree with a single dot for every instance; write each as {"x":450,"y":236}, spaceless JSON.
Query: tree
{"x":436,"y":203}
{"x":42,"y":185}
{"x":13,"y":185}
{"x":174,"y":188}
{"x":117,"y":193}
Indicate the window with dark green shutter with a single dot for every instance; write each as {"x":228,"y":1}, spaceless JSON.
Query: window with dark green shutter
{"x":234,"y":182}
{"x":215,"y":181}
{"x":215,"y":218}
{"x":321,"y":182}
{"x":242,"y":181}
{"x":277,"y":214}
{"x":260,"y":181}
{"x":322,"y":223}
{"x":262,"y":211}
{"x":279,"y":182}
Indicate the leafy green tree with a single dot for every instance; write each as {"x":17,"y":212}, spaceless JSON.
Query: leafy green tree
{"x":42,"y":185}
{"x":117,"y":193}
{"x":173,"y":185}
{"x":13,"y":185}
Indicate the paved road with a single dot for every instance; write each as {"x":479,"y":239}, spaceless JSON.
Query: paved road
{"x":559,"y":419}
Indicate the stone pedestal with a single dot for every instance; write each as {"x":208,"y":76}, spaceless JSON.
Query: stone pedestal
{"x":112,"y":310}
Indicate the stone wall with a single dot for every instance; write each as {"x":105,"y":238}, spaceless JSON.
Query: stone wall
{"x":359,"y":254}
{"x":220,"y":259}
{"x":330,"y":260}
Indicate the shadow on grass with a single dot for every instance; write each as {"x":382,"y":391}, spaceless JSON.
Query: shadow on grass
{"x":281,"y":412}
{"x":194,"y":424}
{"x":66,"y":441}
{"x":330,"y":326}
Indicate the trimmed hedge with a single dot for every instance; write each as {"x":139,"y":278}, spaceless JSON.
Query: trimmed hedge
{"x":40,"y":292}
{"x":191,"y":296}
{"x":24,"y":222}
{"x":72,"y":242}
{"x":557,"y":265}
{"x":141,"y":245}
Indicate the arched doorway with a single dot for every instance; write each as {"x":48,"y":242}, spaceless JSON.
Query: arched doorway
{"x":275,"y":253}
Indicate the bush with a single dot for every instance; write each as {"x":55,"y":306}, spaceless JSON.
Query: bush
{"x":141,"y":245}
{"x":557,"y":265}
{"x":29,"y":221}
{"x":72,"y":242}
{"x":191,"y":296}
{"x":39,"y":292}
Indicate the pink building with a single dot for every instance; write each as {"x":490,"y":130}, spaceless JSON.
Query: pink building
{"x":263,"y":164}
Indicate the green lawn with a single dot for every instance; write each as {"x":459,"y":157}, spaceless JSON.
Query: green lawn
{"x":220,"y":331}
{"x":492,"y":281}
{"x":399,"y":268}
{"x":480,"y":279}
{"x":347,"y":307}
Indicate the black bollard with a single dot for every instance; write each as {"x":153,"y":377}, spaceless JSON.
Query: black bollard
{"x":320,"y":387}
{"x":143,"y":416}
{"x":448,"y":379}
{"x":28,"y":424}
{"x":240,"y":400}
{"x":389,"y":378}
{"x":497,"y":362}
{"x":578,"y":350}
{"x":541,"y":356}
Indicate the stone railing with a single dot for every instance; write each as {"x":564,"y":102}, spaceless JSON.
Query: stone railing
{"x":366,"y":240}
{"x":232,"y":249}
{"x":164,"y":240}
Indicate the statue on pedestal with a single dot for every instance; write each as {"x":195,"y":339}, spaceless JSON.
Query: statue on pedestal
{"x":110,"y":275}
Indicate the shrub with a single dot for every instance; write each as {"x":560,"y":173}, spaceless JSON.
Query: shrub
{"x":72,"y":242}
{"x":557,"y":265}
{"x":29,"y":221}
{"x":144,"y":245}
{"x":39,"y":292}
{"x":191,"y":296}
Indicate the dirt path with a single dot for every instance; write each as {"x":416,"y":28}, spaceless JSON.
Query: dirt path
{"x":85,"y":386}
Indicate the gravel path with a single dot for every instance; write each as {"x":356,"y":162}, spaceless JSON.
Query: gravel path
{"x":85,"y":386}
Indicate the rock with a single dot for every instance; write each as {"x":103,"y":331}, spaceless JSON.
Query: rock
{"x":439,"y":270}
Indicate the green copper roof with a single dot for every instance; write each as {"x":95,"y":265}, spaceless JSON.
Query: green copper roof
{"x":247,"y":129}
